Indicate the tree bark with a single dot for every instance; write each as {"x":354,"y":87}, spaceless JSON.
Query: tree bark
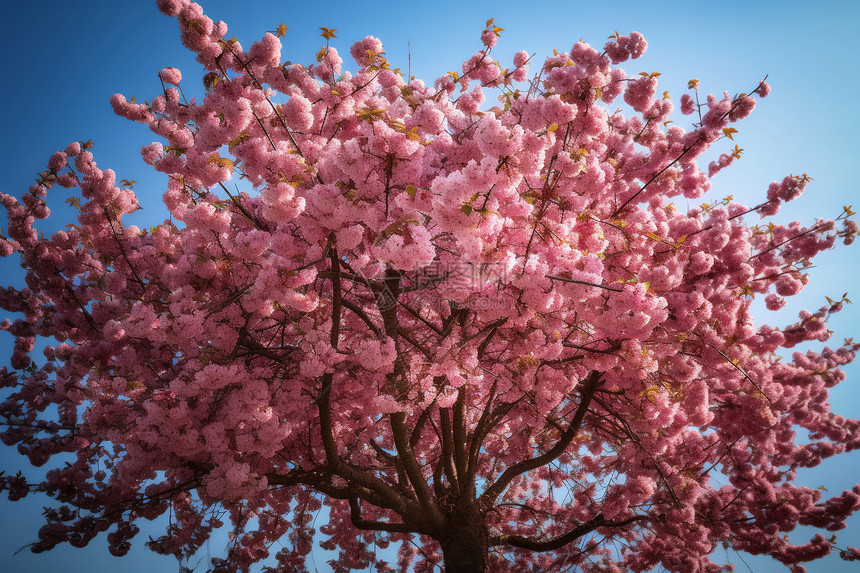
{"x":465,"y":543}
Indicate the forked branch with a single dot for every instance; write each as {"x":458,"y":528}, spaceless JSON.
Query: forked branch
{"x":589,"y":387}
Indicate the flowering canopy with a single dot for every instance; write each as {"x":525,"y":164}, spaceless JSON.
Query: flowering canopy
{"x":486,"y":330}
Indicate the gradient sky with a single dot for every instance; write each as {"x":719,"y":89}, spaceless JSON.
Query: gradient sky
{"x":65,"y":59}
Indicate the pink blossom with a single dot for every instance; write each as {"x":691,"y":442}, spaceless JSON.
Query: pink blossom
{"x":57,"y":161}
{"x":640,"y":92}
{"x":365,"y":51}
{"x":488,"y":38}
{"x":171,"y":76}
{"x":687,"y":104}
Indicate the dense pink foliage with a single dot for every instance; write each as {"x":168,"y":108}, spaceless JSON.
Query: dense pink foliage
{"x":424,"y":309}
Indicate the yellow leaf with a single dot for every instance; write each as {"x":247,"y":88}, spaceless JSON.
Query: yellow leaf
{"x":87,"y":144}
{"x":467,"y":209}
{"x":328,"y":33}
{"x":222,"y":161}
{"x":490,"y":22}
{"x":650,"y":393}
{"x":210,"y":80}
{"x":454,"y":75}
{"x":654,"y":236}
{"x":127,"y":183}
{"x":693,"y":84}
{"x":552,"y":127}
{"x":728,"y":131}
{"x":496,"y":30}
{"x":666,"y":94}
{"x":411,"y":190}
{"x":237,"y":140}
{"x":282,"y":30}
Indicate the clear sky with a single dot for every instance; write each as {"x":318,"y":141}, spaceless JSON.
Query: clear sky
{"x":65,"y":59}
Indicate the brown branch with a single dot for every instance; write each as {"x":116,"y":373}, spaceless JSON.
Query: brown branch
{"x":403,"y":333}
{"x":358,"y":311}
{"x":417,"y":315}
{"x":393,"y":460}
{"x":83,"y":308}
{"x":371,"y":284}
{"x":241,"y":208}
{"x":655,"y":177}
{"x":460,"y":439}
{"x":447,"y":456}
{"x":419,"y":425}
{"x":610,"y":350}
{"x":741,"y":370}
{"x":360,"y":523}
{"x":390,"y":498}
{"x":481,"y":429}
{"x":486,"y":342}
{"x":778,"y":245}
{"x":566,"y":280}
{"x":589,"y":386}
{"x":413,"y":471}
{"x":122,"y":248}
{"x":336,"y":296}
{"x":562,"y":540}
{"x":272,"y":105}
{"x":321,"y":480}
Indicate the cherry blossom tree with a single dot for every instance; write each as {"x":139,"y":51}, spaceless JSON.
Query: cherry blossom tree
{"x":478,"y":331}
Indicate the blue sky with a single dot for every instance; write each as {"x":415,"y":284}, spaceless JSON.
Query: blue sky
{"x":65,"y":59}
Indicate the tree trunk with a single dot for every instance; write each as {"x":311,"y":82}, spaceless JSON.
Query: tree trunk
{"x":465,"y":545}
